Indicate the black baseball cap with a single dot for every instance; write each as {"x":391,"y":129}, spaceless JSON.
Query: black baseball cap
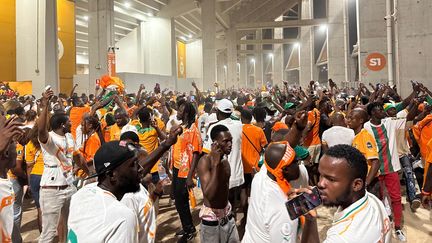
{"x":111,"y":155}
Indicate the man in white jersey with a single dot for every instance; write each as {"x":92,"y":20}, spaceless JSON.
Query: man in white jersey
{"x":57,"y":180}
{"x":141,"y":202}
{"x":224,"y":110}
{"x":96,"y":213}
{"x":267,"y":218}
{"x":8,"y":130}
{"x":360,"y":217}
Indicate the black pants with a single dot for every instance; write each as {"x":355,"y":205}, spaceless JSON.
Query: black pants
{"x":181,"y":197}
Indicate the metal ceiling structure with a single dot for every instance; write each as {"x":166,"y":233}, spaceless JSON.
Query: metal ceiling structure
{"x":187,"y":15}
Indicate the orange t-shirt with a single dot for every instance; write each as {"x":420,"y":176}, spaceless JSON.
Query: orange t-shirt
{"x":250,"y":155}
{"x":187,"y":143}
{"x":115,"y":132}
{"x":90,"y":146}
{"x":423,"y":134}
{"x":88,"y":150}
{"x":312,"y":138}
{"x":75,"y":116}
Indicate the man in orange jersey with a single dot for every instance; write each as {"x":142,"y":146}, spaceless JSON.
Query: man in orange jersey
{"x":253,"y":143}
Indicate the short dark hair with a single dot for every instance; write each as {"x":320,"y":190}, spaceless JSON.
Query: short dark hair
{"x":246,"y":114}
{"x":131,"y":136}
{"x":217,"y":130}
{"x":58,"y":120}
{"x":144,"y":114}
{"x":259,"y":113}
{"x":372,"y":106}
{"x":355,"y":159}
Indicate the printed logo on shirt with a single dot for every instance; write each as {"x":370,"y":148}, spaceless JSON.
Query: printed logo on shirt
{"x":286,"y":230}
{"x":369,"y":145}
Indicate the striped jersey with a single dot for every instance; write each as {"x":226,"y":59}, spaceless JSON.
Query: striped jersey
{"x":385,"y":137}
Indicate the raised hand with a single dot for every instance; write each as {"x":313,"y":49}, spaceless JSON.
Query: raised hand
{"x":301,"y":119}
{"x":9,"y":129}
{"x":172,"y":137}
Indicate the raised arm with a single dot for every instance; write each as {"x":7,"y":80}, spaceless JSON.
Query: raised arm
{"x":43,"y":118}
{"x":295,"y":134}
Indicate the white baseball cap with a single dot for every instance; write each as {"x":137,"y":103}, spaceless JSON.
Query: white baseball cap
{"x":225,"y":106}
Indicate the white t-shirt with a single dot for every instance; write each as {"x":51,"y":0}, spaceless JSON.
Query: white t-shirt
{"x":142,"y":205}
{"x":303,"y":180}
{"x":234,"y":158}
{"x":95,"y":215}
{"x":268,"y":219}
{"x":6,"y":212}
{"x":338,"y":135}
{"x":365,"y":220}
{"x":57,"y":154}
{"x":202,"y":121}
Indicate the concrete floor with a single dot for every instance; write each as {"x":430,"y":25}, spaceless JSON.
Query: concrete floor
{"x":418,"y":226}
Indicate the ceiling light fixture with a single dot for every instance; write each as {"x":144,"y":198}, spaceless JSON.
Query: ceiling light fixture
{"x":127,"y":4}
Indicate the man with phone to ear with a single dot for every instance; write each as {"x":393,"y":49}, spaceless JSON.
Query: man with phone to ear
{"x":360,"y":217}
{"x":268,"y":219}
{"x":217,"y":219}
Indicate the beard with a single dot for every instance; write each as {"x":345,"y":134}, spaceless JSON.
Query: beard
{"x":342,"y":200}
{"x":129,"y":184}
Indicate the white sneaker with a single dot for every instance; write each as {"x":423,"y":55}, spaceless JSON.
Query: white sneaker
{"x":400,"y":235}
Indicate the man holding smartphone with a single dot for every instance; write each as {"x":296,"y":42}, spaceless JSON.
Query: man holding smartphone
{"x":360,"y":217}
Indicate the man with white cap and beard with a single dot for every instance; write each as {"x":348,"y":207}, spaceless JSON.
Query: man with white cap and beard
{"x":224,"y":110}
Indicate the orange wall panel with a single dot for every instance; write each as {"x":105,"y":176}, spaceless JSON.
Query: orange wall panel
{"x":7,"y":40}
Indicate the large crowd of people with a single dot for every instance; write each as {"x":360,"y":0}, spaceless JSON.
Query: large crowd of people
{"x":96,"y":165}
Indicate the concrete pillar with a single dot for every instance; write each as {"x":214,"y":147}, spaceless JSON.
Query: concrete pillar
{"x":372,"y":39}
{"x":413,"y":44}
{"x":101,"y":37}
{"x":243,"y":72}
{"x":231,"y":43}
{"x":278,"y":60}
{"x":337,"y":41}
{"x":208,"y":20}
{"x":36,"y":44}
{"x":258,"y":65}
{"x":174,"y":53}
{"x":221,"y":70}
{"x":307,"y":57}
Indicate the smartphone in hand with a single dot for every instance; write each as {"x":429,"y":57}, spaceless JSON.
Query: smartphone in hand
{"x":303,"y":203}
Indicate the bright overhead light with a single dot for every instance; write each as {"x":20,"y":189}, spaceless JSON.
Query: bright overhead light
{"x":253,"y":60}
{"x":183,"y":38}
{"x":127,"y":4}
{"x":84,"y":53}
{"x":225,"y":66}
{"x":271,"y":55}
{"x":296,"y":44}
{"x":323,"y":28}
{"x":190,"y":35}
{"x":86,"y":17}
{"x":150,"y":14}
